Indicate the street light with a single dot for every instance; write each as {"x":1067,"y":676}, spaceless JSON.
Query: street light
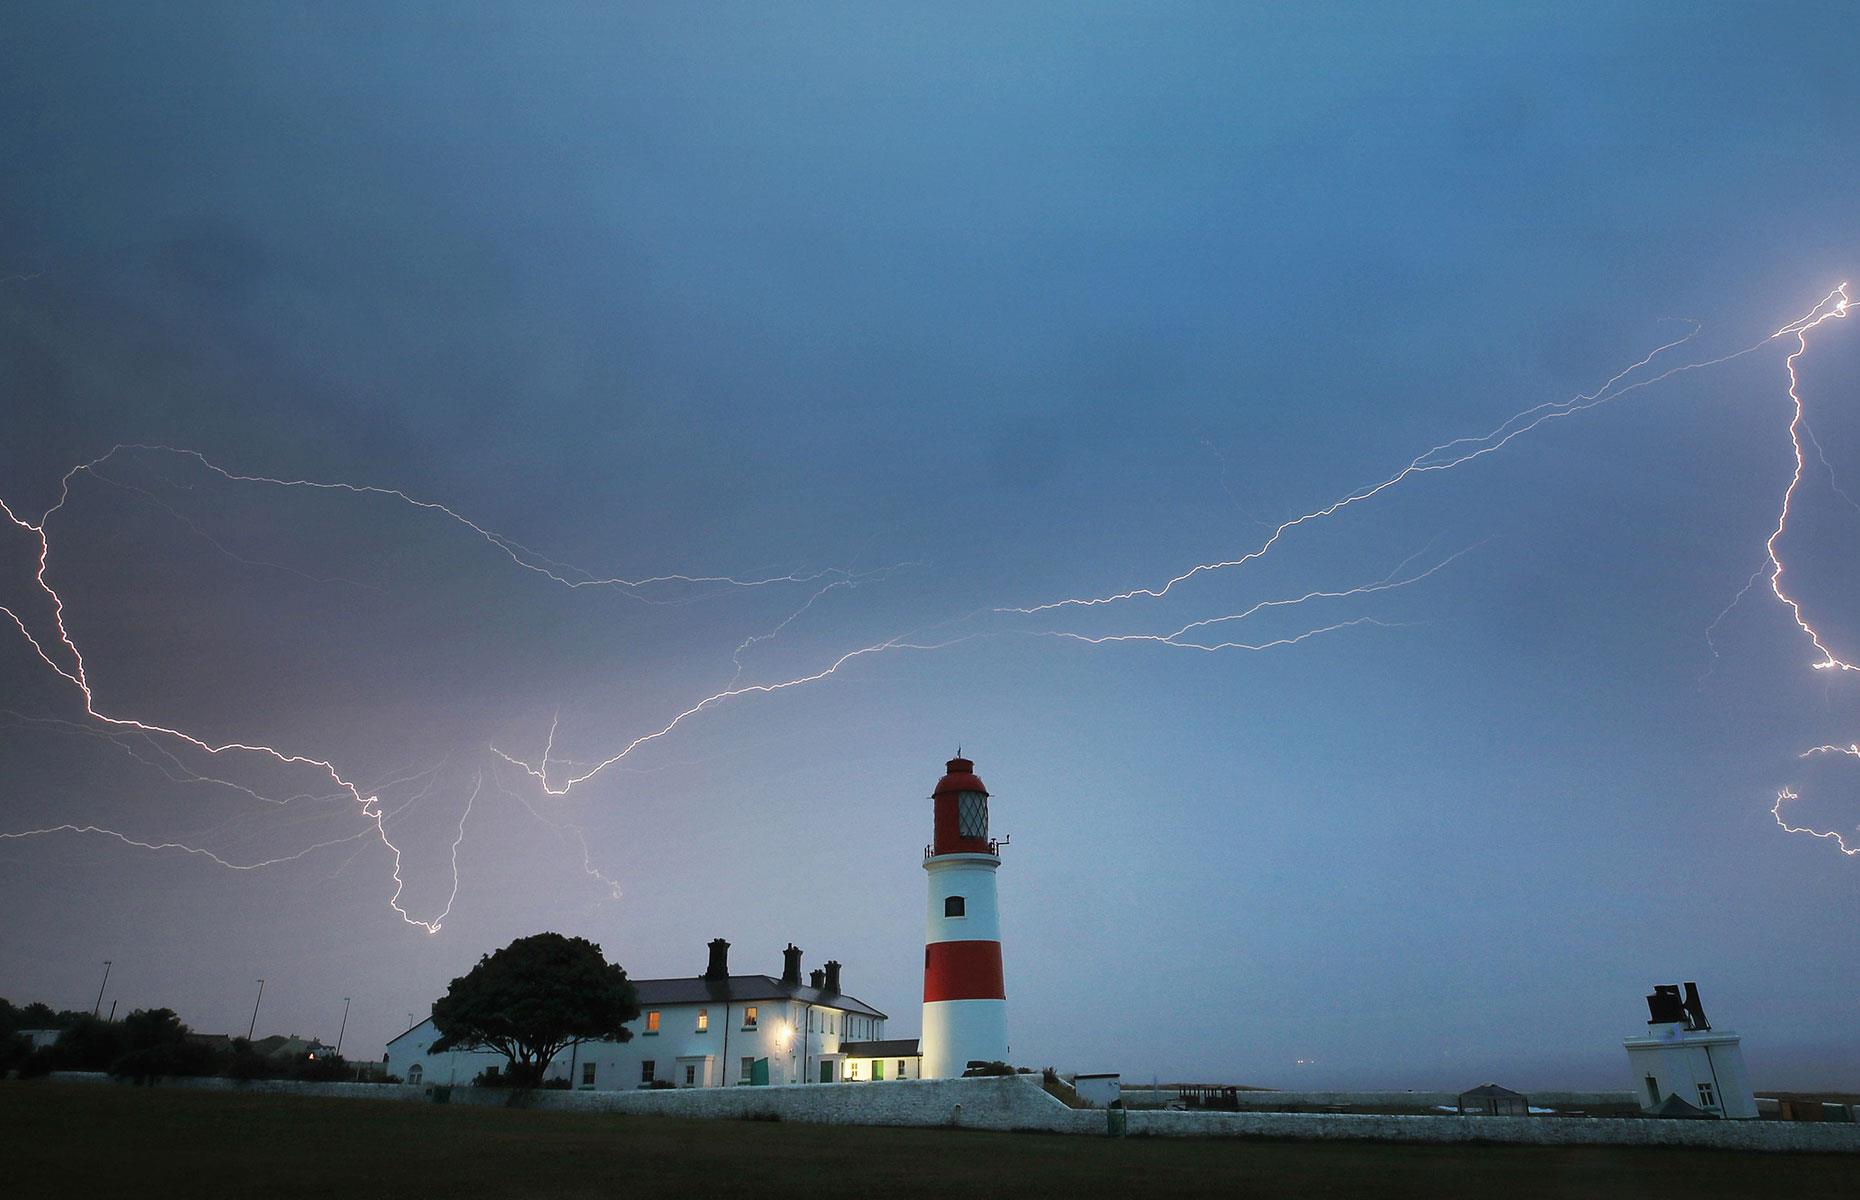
{"x":254,"y":1025}
{"x":100,"y":987}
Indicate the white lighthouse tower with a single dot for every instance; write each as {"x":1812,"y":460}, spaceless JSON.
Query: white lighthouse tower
{"x":965,"y":1004}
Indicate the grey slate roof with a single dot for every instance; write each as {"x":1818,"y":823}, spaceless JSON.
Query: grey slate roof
{"x":890,"y":1048}
{"x":739,"y":989}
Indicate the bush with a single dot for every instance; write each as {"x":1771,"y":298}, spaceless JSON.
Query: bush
{"x":554,"y":1085}
{"x":89,"y":1045}
{"x":492,"y":1077}
{"x":14,"y":1049}
{"x":38,"y":1064}
{"x":331,"y":1068}
{"x":659,"y":1085}
{"x":978,"y":1067}
{"x":169,"y":1059}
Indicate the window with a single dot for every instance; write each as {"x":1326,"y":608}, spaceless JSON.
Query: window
{"x":587,"y":1074}
{"x":1706,"y":1099}
{"x":954,"y":906}
{"x":414,"y":1073}
{"x":749,"y":1069}
{"x":690,"y":1075}
{"x":852,"y":1069}
{"x":900,"y":1068}
{"x":749,"y":1017}
{"x":652,"y":1021}
{"x":703,"y":1020}
{"x":647,"y":1070}
{"x":972,"y":814}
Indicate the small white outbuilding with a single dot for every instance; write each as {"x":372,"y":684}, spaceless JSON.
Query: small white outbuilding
{"x":1681,"y":1055}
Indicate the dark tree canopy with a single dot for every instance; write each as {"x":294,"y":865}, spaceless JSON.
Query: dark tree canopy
{"x":533,"y":999}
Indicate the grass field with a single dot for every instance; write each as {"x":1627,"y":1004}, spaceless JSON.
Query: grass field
{"x":94,"y":1140}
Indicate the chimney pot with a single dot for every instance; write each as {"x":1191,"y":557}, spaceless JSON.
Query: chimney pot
{"x":719,"y":967}
{"x":818,"y":978}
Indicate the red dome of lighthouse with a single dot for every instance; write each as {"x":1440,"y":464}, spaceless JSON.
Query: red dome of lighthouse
{"x":961,"y":777}
{"x":961,"y":811}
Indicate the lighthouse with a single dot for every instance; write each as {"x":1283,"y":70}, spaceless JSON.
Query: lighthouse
{"x":965,"y":1004}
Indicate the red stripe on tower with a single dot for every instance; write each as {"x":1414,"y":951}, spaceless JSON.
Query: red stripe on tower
{"x":963,"y":971}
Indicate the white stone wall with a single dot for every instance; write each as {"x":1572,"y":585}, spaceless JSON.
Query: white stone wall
{"x":1272,"y":1101}
{"x":1018,"y":1102}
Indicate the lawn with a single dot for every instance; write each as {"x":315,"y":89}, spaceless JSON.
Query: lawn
{"x":95,"y":1140}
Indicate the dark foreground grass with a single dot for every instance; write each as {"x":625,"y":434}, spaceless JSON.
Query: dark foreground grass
{"x":95,"y":1140}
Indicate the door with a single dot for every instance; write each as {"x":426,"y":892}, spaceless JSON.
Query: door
{"x":826,"y":1072}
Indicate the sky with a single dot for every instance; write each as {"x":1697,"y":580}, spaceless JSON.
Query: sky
{"x":881,"y":324}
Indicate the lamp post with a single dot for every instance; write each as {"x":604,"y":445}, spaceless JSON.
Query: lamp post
{"x":254,"y":1025}
{"x":100,"y":987}
{"x":345,"y":1026}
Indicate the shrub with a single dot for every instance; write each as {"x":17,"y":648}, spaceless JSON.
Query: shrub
{"x":89,"y":1044}
{"x":978,"y":1067}
{"x":38,"y":1064}
{"x":169,"y":1059}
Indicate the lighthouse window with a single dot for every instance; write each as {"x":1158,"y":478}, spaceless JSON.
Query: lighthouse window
{"x":953,"y":906}
{"x":972,"y":814}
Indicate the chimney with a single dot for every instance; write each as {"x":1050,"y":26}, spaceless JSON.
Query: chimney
{"x":833,"y":978}
{"x":1695,"y":1011}
{"x":719,"y":967}
{"x":818,"y":978}
{"x":791,"y":965}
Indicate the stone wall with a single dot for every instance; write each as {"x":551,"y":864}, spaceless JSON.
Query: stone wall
{"x":1281,"y":1101}
{"x":1019,"y":1103}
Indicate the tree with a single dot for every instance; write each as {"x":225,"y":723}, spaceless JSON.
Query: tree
{"x":533,"y":999}
{"x":146,"y":1028}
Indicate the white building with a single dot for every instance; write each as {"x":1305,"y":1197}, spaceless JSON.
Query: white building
{"x":1681,"y":1056}
{"x":710,"y":1030}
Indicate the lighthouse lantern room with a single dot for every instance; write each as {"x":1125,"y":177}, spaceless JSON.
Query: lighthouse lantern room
{"x":965,"y":1003}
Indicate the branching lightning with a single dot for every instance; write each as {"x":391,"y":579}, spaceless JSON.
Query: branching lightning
{"x":59,"y":651}
{"x":1833,"y":306}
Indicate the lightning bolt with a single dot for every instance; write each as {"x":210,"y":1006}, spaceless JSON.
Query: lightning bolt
{"x":62,"y":655}
{"x":1833,"y":307}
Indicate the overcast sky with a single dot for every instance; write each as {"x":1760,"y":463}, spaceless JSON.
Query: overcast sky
{"x":954,"y":310}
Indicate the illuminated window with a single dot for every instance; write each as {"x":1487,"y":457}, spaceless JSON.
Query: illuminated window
{"x":749,"y":1017}
{"x":652,"y":1021}
{"x":954,"y":906}
{"x":852,"y":1069}
{"x":646,"y":1070}
{"x":690,"y":1075}
{"x":972,"y":814}
{"x":587,"y":1074}
{"x":703,"y":1020}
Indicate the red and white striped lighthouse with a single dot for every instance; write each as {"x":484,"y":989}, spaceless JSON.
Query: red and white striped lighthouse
{"x":965,"y":1004}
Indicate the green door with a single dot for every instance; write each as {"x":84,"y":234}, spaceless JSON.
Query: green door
{"x":878,"y":1069}
{"x":759,"y":1073}
{"x":826,"y":1072}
